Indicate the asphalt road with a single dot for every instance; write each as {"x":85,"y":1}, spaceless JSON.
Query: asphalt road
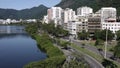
{"x":92,"y":48}
{"x":92,"y":62}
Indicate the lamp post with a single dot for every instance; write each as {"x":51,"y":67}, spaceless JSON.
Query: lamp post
{"x":105,"y":56}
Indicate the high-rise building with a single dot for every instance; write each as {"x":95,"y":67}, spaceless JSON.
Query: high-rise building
{"x":54,"y":14}
{"x":83,"y":26}
{"x":75,"y":27}
{"x":84,"y":11}
{"x":69,"y":15}
{"x":94,"y":23}
{"x":72,"y":28}
{"x":108,"y":14}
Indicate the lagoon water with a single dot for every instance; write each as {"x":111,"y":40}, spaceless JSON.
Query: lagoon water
{"x":17,"y":48}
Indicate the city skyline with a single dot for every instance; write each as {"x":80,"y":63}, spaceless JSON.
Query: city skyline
{"x":23,"y":4}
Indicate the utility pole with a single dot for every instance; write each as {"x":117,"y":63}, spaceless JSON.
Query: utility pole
{"x":105,"y":56}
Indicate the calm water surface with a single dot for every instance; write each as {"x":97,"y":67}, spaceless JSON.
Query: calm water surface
{"x":17,"y":48}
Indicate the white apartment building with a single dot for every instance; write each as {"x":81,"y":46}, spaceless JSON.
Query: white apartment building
{"x":31,"y":20}
{"x":108,"y":19}
{"x":83,"y":26}
{"x":112,"y":26}
{"x":45,"y":19}
{"x":55,"y":14}
{"x":84,"y":11}
{"x":69,"y":15}
{"x":8,"y":21}
{"x":73,"y":28}
{"x":108,"y":14}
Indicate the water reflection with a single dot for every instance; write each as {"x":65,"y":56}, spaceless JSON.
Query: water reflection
{"x":12,"y":29}
{"x":17,"y":48}
{"x":13,"y":35}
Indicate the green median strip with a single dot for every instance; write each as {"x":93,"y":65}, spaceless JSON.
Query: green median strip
{"x":96,"y":56}
{"x":118,"y":64}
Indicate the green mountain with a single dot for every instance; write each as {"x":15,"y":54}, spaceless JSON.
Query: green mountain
{"x":35,"y":12}
{"x":95,"y":4}
{"x":38,"y":12}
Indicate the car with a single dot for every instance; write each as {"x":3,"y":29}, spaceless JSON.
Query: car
{"x":113,"y":58}
{"x":99,"y":49}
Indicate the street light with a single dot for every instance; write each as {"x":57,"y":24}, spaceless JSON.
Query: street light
{"x":105,"y":56}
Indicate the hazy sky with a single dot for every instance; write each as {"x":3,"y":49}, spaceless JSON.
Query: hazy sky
{"x":22,"y":4}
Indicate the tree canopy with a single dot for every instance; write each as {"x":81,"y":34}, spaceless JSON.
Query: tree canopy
{"x":108,"y":64}
{"x":118,"y":35}
{"x":117,"y":50}
{"x":110,"y":35}
{"x":102,"y":35}
{"x":83,"y":35}
{"x":95,"y":4}
{"x":57,"y":31}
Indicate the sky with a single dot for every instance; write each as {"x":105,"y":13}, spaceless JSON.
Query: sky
{"x":23,"y":4}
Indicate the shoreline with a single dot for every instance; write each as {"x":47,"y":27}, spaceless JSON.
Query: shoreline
{"x":55,"y":57}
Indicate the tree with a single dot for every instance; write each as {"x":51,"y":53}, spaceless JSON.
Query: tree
{"x":97,"y":34}
{"x":83,"y":35}
{"x":118,"y":35}
{"x":60,"y":32}
{"x":65,"y":44}
{"x":108,"y":64}
{"x":99,"y":42}
{"x":55,"y":31}
{"x":117,"y":50}
{"x":110,"y":35}
{"x":32,"y":28}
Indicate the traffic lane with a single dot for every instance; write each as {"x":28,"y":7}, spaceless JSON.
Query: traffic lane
{"x":91,"y":61}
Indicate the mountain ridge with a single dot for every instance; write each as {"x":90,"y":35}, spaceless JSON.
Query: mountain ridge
{"x":29,"y":13}
{"x":95,"y":4}
{"x":41,"y":10}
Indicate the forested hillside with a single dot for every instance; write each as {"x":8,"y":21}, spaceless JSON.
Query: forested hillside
{"x":35,"y":12}
{"x":95,"y":4}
